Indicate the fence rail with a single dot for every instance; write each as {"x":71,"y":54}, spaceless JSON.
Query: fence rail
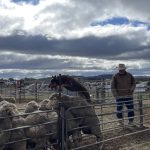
{"x":105,"y":111}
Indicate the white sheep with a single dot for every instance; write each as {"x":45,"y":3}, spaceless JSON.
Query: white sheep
{"x":38,"y":132}
{"x":3,"y":103}
{"x":9,"y":120}
{"x":43,"y":103}
{"x":31,"y":107}
{"x":8,"y":99}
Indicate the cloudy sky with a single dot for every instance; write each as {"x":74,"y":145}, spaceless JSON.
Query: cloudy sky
{"x":40,"y":38}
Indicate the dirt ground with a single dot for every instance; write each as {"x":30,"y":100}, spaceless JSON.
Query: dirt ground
{"x":133,"y":142}
{"x":140,"y":141}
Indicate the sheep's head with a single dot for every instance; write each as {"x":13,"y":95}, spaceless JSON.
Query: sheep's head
{"x":1,"y":98}
{"x":31,"y":107}
{"x":43,"y":104}
{"x":54,"y":96}
{"x":8,"y":109}
{"x":54,"y":101}
{"x":3,"y":102}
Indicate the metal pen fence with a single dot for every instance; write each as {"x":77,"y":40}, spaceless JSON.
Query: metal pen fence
{"x":106,"y":126}
{"x":38,"y":91}
{"x":141,"y":121}
{"x":105,"y":111}
{"x":26,"y":92}
{"x":15,"y":139}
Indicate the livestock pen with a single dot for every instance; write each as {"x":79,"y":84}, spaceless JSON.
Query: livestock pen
{"x":57,"y":134}
{"x":126,"y":137}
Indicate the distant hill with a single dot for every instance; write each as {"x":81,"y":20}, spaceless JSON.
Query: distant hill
{"x":82,"y":78}
{"x":100,"y":77}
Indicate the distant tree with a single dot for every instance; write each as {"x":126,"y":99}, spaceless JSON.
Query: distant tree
{"x":1,"y":81}
{"x":11,"y":79}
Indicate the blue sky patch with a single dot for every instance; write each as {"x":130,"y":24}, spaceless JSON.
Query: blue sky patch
{"x":33,"y":2}
{"x":120,"y":21}
{"x":137,"y":23}
{"x":113,"y":21}
{"x":148,"y":28}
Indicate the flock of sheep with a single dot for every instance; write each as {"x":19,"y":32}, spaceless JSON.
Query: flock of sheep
{"x":37,"y":127}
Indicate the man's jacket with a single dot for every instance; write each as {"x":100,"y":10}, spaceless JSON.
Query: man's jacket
{"x":123,"y":85}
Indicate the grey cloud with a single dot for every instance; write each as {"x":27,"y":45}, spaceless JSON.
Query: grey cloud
{"x":90,"y":46}
{"x":38,"y":63}
{"x":142,"y":52}
{"x":62,"y":18}
{"x":138,"y":7}
{"x":47,"y":73}
{"x":44,"y":63}
{"x":13,"y":62}
{"x":7,"y":22}
{"x":127,"y":8}
{"x":77,"y":13}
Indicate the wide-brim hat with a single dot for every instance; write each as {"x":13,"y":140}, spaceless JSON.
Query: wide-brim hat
{"x":121,"y":67}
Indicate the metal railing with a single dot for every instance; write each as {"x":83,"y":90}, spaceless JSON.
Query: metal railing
{"x":105,"y":111}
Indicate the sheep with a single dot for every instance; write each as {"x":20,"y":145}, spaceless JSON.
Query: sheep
{"x":9,"y":120}
{"x":84,"y":112}
{"x":31,"y":107}
{"x":8,"y":99}
{"x":5,"y":123}
{"x":3,"y":103}
{"x":1,"y":98}
{"x":37,"y":133}
{"x":34,"y":132}
{"x":43,"y":104}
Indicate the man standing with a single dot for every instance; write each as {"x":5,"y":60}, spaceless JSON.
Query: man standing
{"x":122,"y":86}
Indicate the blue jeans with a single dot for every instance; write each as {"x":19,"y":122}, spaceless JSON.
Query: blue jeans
{"x":130,"y":106}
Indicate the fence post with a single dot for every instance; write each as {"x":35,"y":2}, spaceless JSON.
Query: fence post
{"x":15,"y":88}
{"x":141,"y":110}
{"x":36,"y":90}
{"x":103,"y":92}
{"x":98,"y":100}
{"x":97,"y":95}
{"x":1,"y":87}
{"x":62,"y":118}
{"x":61,"y":121}
{"x":20,"y":89}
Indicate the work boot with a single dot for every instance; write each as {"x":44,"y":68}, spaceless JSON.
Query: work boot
{"x":131,"y":124}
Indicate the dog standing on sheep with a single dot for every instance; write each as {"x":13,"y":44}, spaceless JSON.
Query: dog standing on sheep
{"x":83,"y":110}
